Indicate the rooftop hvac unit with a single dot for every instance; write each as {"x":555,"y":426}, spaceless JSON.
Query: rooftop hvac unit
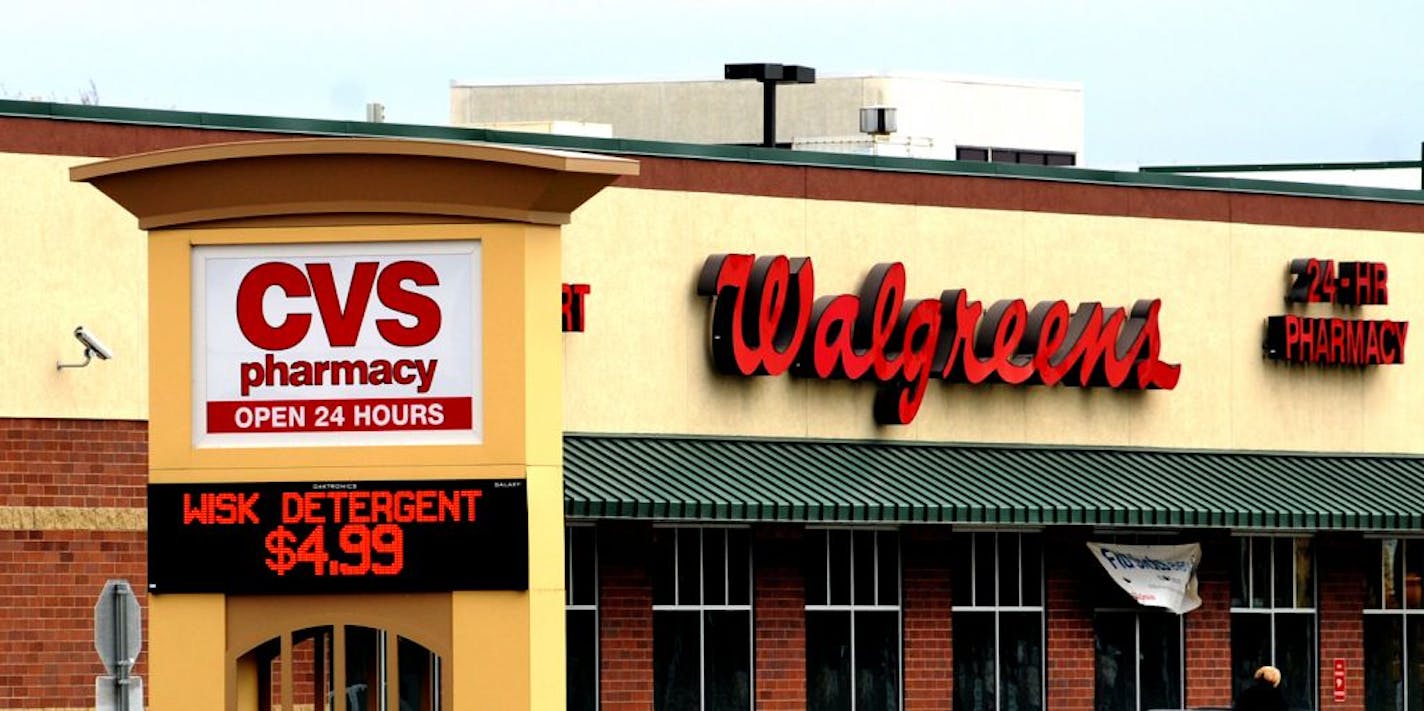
{"x":877,"y":120}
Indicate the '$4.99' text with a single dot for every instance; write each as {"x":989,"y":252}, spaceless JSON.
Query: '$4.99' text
{"x":378,"y":550}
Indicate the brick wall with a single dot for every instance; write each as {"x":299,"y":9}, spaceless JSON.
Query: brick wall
{"x":779,"y":612}
{"x":1208,"y":630}
{"x":1070,"y":651}
{"x":54,"y":561}
{"x":625,"y":602}
{"x":929,"y":660}
{"x":1341,"y":563}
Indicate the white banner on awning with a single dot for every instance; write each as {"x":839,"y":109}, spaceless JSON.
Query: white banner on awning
{"x":1156,"y":576}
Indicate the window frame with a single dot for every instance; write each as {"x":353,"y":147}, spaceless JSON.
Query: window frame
{"x":997,"y":610}
{"x":852,"y":608}
{"x":571,"y":606}
{"x":702,"y":609}
{"x":1404,"y":612}
{"x":1272,"y":610}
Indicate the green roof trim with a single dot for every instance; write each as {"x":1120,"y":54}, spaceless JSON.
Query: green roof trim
{"x":1280,"y":167}
{"x":748,"y":154}
{"x":711,"y":479}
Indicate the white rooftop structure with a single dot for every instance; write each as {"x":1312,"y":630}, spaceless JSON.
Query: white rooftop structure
{"x":937,"y":116}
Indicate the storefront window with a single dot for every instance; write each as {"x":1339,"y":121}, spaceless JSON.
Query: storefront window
{"x":998,"y":622}
{"x":1139,"y":660}
{"x":581,"y":616}
{"x":702,"y":619}
{"x":1394,"y":627}
{"x":1273,"y":615}
{"x":852,"y":621}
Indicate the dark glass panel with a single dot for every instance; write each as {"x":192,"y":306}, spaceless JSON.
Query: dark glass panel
{"x":583,"y":578}
{"x":676,"y":661}
{"x":1241,"y":574}
{"x":1250,"y":648}
{"x":581,"y":651}
{"x":968,"y":153}
{"x":664,"y":570}
{"x":1283,"y":594}
{"x":961,"y":569}
{"x":984,"y":569}
{"x":1033,"y":158}
{"x":863,"y":568}
{"x":689,"y":566}
{"x":714,"y":567}
{"x":1060,"y":159}
{"x":363,"y":678}
{"x":1115,"y":647}
{"x":1033,"y":569}
{"x":1304,"y":572}
{"x":1260,"y":572}
{"x":1021,"y":658}
{"x":974,"y":661}
{"x":1009,"y":569}
{"x":1001,"y":155}
{"x":877,"y":661}
{"x":729,"y":661}
{"x":1295,"y":657}
{"x":1414,"y":675}
{"x":415,"y":684}
{"x":1413,"y":567}
{"x":828,"y":679}
{"x":889,"y":567}
{"x":1384,"y":663}
{"x":839,"y":558}
{"x":1160,"y":660}
{"x":739,"y":567}
{"x":815,"y":561}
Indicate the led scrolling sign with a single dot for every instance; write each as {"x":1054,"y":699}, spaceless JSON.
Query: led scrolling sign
{"x":767,"y":320}
{"x":319,"y":537}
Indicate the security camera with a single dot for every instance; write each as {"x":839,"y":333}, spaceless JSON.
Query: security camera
{"x":92,"y":347}
{"x":92,"y":344}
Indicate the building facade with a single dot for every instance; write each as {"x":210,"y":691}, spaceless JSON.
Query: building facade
{"x":840,"y":435}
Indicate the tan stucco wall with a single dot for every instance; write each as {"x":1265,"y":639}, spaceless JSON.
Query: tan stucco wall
{"x":68,"y":257}
{"x":642,"y":365}
{"x":72,"y":257}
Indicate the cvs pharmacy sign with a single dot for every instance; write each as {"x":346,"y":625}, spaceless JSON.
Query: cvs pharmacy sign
{"x":369,"y":343}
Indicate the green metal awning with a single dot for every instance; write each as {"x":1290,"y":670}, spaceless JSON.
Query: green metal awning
{"x":671,"y":478}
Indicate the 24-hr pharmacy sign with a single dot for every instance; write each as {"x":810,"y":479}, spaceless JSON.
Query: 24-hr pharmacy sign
{"x":337,"y":344}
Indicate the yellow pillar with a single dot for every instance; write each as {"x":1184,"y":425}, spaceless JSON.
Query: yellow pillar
{"x":503,"y":649}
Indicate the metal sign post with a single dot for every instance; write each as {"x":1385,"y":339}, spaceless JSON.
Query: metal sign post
{"x":118,"y":636}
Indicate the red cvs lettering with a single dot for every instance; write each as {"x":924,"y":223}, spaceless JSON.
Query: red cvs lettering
{"x":766,"y":320}
{"x":341,"y":315}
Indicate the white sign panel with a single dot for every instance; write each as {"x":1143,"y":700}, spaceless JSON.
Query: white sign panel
{"x":1156,"y":576}
{"x":337,"y":344}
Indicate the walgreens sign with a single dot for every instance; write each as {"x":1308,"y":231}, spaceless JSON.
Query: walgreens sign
{"x":341,"y":344}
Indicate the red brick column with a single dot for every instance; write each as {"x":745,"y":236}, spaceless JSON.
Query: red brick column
{"x":625,"y":614}
{"x":929,"y":660}
{"x":53,"y":563}
{"x":1208,"y":630}
{"x":779,"y":614}
{"x":1071,"y":660}
{"x":1342,"y":565}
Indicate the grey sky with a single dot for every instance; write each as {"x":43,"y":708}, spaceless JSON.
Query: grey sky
{"x":1165,"y":81}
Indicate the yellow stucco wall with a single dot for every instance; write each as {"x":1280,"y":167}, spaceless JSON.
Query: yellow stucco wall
{"x":68,"y":257}
{"x":642,"y":365}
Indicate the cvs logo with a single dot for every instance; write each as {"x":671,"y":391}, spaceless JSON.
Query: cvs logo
{"x":341,"y":324}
